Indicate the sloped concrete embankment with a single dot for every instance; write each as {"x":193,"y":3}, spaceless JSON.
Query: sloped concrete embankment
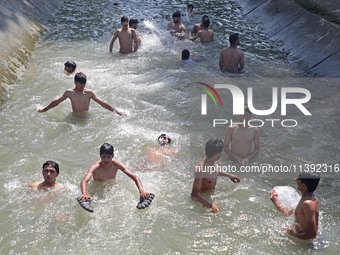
{"x":313,"y":43}
{"x":21,"y":25}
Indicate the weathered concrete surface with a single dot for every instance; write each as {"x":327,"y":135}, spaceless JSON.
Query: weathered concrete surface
{"x":313,"y":44}
{"x":20,"y":28}
{"x":332,"y":6}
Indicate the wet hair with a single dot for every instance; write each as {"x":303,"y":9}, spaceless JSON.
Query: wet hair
{"x":233,"y":38}
{"x":176,"y":14}
{"x":52,"y":164}
{"x":205,"y":17}
{"x":206,"y":22}
{"x":70,"y":64}
{"x":310,"y":179}
{"x":165,"y":136}
{"x":190,"y":6}
{"x":123,"y":19}
{"x":133,"y":21}
{"x":80,"y":77}
{"x":185,"y":54}
{"x":213,"y":146}
{"x":106,"y":148}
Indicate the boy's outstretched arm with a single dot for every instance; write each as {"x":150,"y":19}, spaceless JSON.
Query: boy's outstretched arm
{"x":105,"y":105}
{"x":87,"y":177}
{"x":232,"y":177}
{"x":55,"y":102}
{"x":135,"y":178}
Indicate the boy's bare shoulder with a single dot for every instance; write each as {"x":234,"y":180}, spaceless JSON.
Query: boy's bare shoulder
{"x":69,"y":91}
{"x":33,"y":185}
{"x":86,"y":90}
{"x":96,"y":165}
{"x":116,"y":162}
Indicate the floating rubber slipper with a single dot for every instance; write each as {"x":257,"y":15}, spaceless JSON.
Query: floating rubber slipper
{"x":85,"y":203}
{"x":143,"y":203}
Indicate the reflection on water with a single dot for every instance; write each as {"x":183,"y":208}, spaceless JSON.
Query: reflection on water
{"x":160,"y":96}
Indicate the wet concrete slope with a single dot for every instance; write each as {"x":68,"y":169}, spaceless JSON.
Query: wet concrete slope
{"x":313,"y":43}
{"x":21,"y":24}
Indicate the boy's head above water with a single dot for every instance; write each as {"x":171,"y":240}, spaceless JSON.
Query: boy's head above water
{"x":213,"y":147}
{"x":106,"y":149}
{"x":70,"y":66}
{"x":163,"y":139}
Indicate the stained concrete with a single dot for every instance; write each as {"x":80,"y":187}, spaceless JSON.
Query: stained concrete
{"x":313,"y":43}
{"x":21,"y":25}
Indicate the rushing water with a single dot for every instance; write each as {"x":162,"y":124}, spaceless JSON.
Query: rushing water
{"x":160,"y":95}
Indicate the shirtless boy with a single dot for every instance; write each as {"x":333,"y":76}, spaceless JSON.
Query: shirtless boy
{"x":232,"y":58}
{"x":106,"y":169}
{"x":161,"y":152}
{"x":198,"y":26}
{"x":176,"y":27}
{"x":239,"y":140}
{"x":128,"y":38}
{"x":307,"y":210}
{"x":70,"y":67}
{"x":80,"y":98}
{"x":205,"y":181}
{"x":133,"y":23}
{"x":50,"y":171}
{"x":205,"y":34}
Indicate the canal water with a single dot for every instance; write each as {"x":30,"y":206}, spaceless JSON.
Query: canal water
{"x":159,"y":95}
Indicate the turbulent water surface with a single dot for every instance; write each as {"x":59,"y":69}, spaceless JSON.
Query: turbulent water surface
{"x":160,"y":95}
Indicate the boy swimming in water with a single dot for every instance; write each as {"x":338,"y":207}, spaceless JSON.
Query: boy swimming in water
{"x":241,"y":141}
{"x":177,"y":28}
{"x":161,"y":152}
{"x":307,"y":211}
{"x":50,"y":171}
{"x":106,"y":169}
{"x":205,"y":181}
{"x":80,"y":98}
{"x":128,"y":38}
{"x":70,"y":67}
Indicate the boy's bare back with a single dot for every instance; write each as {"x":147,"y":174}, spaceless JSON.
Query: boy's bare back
{"x":231,"y":60}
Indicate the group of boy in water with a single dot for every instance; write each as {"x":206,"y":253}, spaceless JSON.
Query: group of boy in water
{"x":241,"y":142}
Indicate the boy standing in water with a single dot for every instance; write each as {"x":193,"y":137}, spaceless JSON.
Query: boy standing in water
{"x":307,"y":210}
{"x":232,"y":58}
{"x":106,"y":169}
{"x":198,"y":26}
{"x":80,"y":98}
{"x":128,"y":38}
{"x":241,"y":138}
{"x":205,"y":34}
{"x":176,"y":27}
{"x":133,"y":23}
{"x":50,"y":171}
{"x":207,"y":172}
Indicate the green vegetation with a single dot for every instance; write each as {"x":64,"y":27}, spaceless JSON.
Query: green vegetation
{"x":314,"y":7}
